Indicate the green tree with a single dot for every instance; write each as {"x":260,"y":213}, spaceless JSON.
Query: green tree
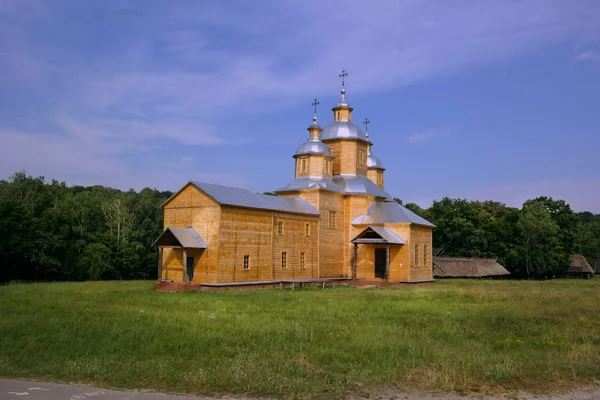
{"x":538,"y":242}
{"x":96,"y":260}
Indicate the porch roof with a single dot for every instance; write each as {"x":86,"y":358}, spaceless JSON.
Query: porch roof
{"x":377,"y":235}
{"x":187,"y":238}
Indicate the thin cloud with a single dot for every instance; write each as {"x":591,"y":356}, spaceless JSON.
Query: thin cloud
{"x":589,"y":56}
{"x":428,"y":135}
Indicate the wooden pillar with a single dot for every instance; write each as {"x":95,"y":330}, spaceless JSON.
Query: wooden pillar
{"x":185,"y":277}
{"x":160,"y":262}
{"x":387,"y":262}
{"x":355,"y":264}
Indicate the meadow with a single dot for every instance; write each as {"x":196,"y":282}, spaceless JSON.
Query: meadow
{"x":461,"y":336}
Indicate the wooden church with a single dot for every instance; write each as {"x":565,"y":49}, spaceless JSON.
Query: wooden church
{"x":333,"y":222}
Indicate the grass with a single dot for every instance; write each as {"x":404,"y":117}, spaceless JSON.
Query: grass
{"x":456,"y":336}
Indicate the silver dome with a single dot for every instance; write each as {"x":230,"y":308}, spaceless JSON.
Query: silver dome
{"x":343,"y":129}
{"x":374,"y":162}
{"x":313,"y":147}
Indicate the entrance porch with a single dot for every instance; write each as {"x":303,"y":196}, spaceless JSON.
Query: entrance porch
{"x":377,"y":244}
{"x":182,"y":249}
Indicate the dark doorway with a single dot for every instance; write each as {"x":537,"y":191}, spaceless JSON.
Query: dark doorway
{"x":380,"y":260}
{"x":189,"y":269}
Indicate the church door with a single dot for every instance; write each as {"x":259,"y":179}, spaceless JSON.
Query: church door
{"x":380,"y":260}
{"x":189,"y":269}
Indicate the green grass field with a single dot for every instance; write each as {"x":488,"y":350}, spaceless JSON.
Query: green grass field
{"x":461,"y":336}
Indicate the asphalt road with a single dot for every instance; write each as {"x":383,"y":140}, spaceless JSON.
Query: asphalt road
{"x":24,"y":390}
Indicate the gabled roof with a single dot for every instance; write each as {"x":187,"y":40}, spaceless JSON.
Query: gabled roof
{"x":459,"y":267}
{"x":180,"y":237}
{"x":377,"y":234}
{"x":382,"y":212}
{"x":231,"y":196}
{"x":580,"y":264}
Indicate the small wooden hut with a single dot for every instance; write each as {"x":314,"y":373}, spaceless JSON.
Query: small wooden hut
{"x":579,"y":267}
{"x":462,"y":267}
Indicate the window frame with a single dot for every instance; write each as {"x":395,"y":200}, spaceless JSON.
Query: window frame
{"x":302,"y":260}
{"x":303,"y":165}
{"x":280,"y":228}
{"x":362,"y":157}
{"x":332,"y":219}
{"x":307,"y":229}
{"x":246,"y":262}
{"x":284,"y":260}
{"x":417,"y":256}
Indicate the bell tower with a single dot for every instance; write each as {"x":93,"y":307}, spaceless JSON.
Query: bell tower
{"x":346,"y":140}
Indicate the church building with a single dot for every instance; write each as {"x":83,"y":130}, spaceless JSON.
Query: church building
{"x":333,"y":222}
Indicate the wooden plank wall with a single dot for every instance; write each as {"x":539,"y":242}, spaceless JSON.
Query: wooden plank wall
{"x":191,"y":207}
{"x":294,"y":241}
{"x":421,"y":235}
{"x":331,"y":240}
{"x":244,"y":232}
{"x":316,"y":165}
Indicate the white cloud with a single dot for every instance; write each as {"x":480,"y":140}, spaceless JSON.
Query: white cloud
{"x":428,"y":135}
{"x":589,"y":56}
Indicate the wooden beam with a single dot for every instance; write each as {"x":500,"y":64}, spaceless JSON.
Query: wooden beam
{"x":160,"y":263}
{"x":387,"y":262}
{"x":185,"y":277}
{"x":355,"y":264}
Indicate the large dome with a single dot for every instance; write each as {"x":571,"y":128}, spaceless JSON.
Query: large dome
{"x":374,"y":162}
{"x":343,"y":129}
{"x":313,"y":147}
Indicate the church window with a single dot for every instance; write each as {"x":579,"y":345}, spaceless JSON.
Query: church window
{"x":417,"y":256}
{"x":302,"y":260}
{"x":425,"y":255}
{"x":327,"y":167}
{"x":246,"y":263}
{"x":303,"y":165}
{"x":307,"y":229}
{"x":379,"y":179}
{"x":280,"y":228}
{"x":332,"y":219}
{"x":362,"y":157}
{"x":283,"y":260}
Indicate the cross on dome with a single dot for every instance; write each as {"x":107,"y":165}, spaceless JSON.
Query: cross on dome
{"x":315,"y":103}
{"x":343,"y":75}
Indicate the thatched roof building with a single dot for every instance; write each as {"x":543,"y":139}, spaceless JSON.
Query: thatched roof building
{"x":457,"y":267}
{"x":579,"y":266}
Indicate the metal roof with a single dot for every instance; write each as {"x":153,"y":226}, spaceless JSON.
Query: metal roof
{"x":345,"y":184}
{"x":374,"y":162}
{"x":313,"y":146}
{"x":386,"y":235}
{"x":359,"y":184}
{"x":231,"y":196}
{"x":343,"y":129}
{"x":306,"y":182}
{"x":382,"y":212}
{"x":180,"y":237}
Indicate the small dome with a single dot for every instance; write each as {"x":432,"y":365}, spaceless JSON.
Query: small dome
{"x":343,"y":129}
{"x":374,"y":162}
{"x":313,"y":147}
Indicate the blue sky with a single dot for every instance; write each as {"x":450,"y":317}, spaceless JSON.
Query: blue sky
{"x":486,"y":99}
